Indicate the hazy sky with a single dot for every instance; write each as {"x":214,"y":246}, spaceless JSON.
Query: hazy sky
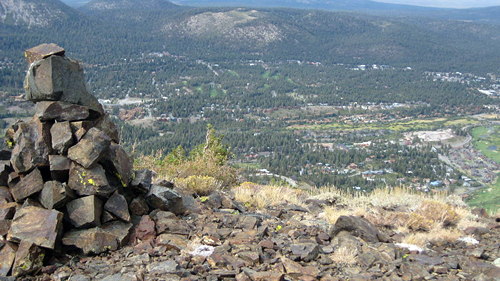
{"x":446,"y":3}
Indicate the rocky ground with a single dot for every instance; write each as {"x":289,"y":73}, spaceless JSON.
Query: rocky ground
{"x":219,"y":239}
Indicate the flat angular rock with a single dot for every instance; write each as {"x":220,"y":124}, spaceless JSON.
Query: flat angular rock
{"x":89,"y":181}
{"x":29,"y":259}
{"x":7,"y":257}
{"x":94,"y":240}
{"x":139,"y":207}
{"x":85,"y":212}
{"x":62,"y":138}
{"x":55,"y":195}
{"x":306,"y":251}
{"x":117,"y":205}
{"x":121,"y":230}
{"x":142,"y":181}
{"x":170,"y":224}
{"x":29,"y":185}
{"x":165,"y":267}
{"x":264,"y":275}
{"x":172,"y":241}
{"x":107,"y":217}
{"x":60,"y":111}
{"x":357,"y":226}
{"x":120,"y":164}
{"x":297,"y":270}
{"x":90,"y":149}
{"x":42,"y":51}
{"x":36,"y":225}
{"x":32,"y":146}
{"x":58,"y":78}
{"x":59,"y":167}
{"x":165,"y":199}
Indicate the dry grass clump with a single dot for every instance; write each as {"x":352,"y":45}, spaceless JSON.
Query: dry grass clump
{"x":345,"y":256}
{"x":201,"y":185}
{"x":262,"y":196}
{"x":333,"y":213}
{"x":438,"y":233}
{"x":421,"y":217}
{"x":173,"y":171}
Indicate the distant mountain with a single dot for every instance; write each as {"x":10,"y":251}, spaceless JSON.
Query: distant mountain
{"x":137,"y":5}
{"x":34,"y":13}
{"x":484,"y":15}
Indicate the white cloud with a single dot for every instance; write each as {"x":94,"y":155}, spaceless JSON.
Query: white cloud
{"x":446,"y":3}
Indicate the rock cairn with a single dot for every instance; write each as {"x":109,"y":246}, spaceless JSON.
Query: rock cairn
{"x":65,"y":182}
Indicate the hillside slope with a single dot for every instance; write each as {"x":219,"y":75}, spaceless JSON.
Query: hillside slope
{"x":35,"y":13}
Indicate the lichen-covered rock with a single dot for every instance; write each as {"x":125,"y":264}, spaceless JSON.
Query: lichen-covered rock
{"x":142,"y":181}
{"x":89,"y":181}
{"x":29,"y":185}
{"x":119,"y":163}
{"x":57,"y":78}
{"x":85,"y":212}
{"x":37,"y":225}
{"x":29,"y":259}
{"x":90,"y":149}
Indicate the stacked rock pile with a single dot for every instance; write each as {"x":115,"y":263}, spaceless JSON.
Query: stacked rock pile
{"x":65,"y":181}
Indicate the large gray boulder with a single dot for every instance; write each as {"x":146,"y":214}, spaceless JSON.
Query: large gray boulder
{"x":356,"y":226}
{"x":57,"y":78}
{"x":94,"y":240}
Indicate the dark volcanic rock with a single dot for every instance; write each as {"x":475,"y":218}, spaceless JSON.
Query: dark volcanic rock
{"x":62,"y":138}
{"x":59,"y":167}
{"x":29,"y":185}
{"x":164,"y":198}
{"x":5,"y":154}
{"x":142,"y":181}
{"x":105,"y":124}
{"x":5,"y":196}
{"x":117,"y":205}
{"x":120,"y":164}
{"x":5,"y":170}
{"x":90,"y":149}
{"x":42,"y":51}
{"x":121,"y":230}
{"x":58,"y":78}
{"x":55,"y":195}
{"x":32,"y":146}
{"x":26,"y":226}
{"x":94,"y":240}
{"x":85,"y":211}
{"x":8,"y":210}
{"x":357,"y":226}
{"x":60,"y":111}
{"x":89,"y":181}
{"x":139,"y":207}
{"x":7,"y":257}
{"x":29,"y":259}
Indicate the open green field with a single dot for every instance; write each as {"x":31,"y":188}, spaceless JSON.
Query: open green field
{"x":487,"y":140}
{"x":213,"y":93}
{"x":487,"y":198}
{"x":398,"y":126}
